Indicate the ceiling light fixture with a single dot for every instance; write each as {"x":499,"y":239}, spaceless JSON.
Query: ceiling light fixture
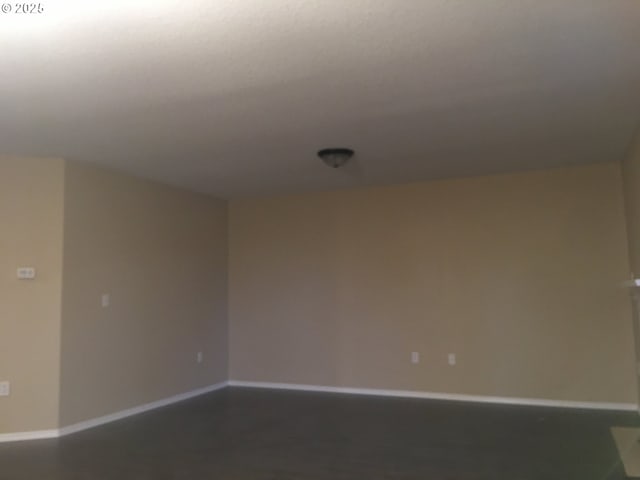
{"x":335,"y":157}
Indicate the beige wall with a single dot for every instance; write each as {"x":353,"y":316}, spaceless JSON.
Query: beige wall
{"x":161,"y":254}
{"x":31,"y":210}
{"x":631,"y":182}
{"x":517,"y":274}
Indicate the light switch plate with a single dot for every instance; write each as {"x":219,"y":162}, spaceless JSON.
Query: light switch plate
{"x":5,"y":389}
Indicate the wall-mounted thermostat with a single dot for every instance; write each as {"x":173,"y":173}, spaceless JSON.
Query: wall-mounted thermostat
{"x":26,"y":273}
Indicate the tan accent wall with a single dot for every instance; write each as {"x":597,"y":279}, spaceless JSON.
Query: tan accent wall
{"x":31,"y":211}
{"x":161,"y":254}
{"x":631,"y":182}
{"x":518,"y":275}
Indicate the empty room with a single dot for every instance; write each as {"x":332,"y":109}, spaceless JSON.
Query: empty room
{"x":322,"y":239}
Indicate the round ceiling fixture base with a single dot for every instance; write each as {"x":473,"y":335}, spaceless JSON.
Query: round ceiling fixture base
{"x":335,"y":157}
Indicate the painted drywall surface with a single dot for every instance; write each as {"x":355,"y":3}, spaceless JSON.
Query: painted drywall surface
{"x":631,"y":185}
{"x":31,"y":211}
{"x":516,"y":274}
{"x":257,"y":86}
{"x":631,"y":182}
{"x":161,"y":255}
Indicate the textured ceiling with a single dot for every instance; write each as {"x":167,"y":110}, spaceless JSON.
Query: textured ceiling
{"x":234,"y":97}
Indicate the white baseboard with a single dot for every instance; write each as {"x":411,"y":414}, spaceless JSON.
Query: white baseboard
{"x":532,"y":402}
{"x":94,"y":422}
{"x":22,"y":436}
{"x":77,"y":427}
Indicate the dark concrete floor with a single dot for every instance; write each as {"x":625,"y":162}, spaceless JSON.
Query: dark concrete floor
{"x":242,"y":434}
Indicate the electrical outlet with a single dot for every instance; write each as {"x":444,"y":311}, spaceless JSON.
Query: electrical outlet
{"x":105,"y":300}
{"x":199,"y":357}
{"x":5,"y":389}
{"x":452,"y":359}
{"x":415,"y":357}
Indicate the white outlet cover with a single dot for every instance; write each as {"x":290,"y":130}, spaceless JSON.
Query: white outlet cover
{"x":5,"y":389}
{"x":199,"y":357}
{"x":452,"y":359}
{"x":105,"y":300}
{"x":415,"y":357}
